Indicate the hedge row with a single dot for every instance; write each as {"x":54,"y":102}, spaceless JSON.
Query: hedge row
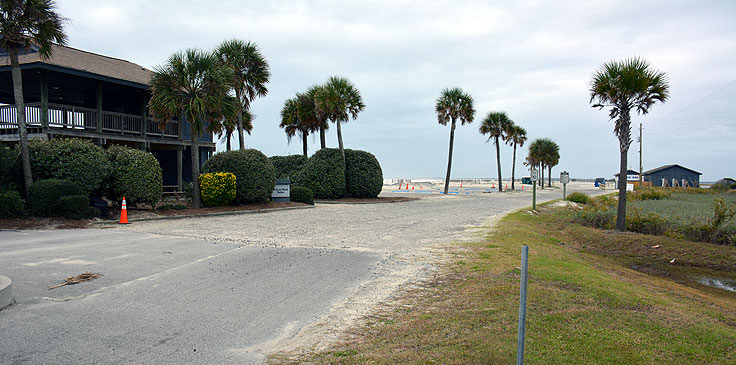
{"x":254,"y":173}
{"x":324,"y":174}
{"x":288,"y":167}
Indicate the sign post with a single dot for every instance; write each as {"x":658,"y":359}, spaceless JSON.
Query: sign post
{"x":564,"y":179}
{"x":535,"y":177}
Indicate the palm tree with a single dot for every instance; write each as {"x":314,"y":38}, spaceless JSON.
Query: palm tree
{"x":517,"y":137}
{"x":229,"y":126}
{"x":496,"y":125}
{"x":625,"y":86}
{"x":339,"y":100}
{"x":27,"y":25}
{"x":298,"y":116}
{"x":319,"y":118}
{"x":550,"y":154}
{"x":193,"y":85}
{"x":250,"y":75}
{"x":536,"y":159}
{"x":453,"y":104}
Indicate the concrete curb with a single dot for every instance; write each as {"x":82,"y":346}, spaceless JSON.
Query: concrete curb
{"x":6,"y":292}
{"x":379,"y":202}
{"x":206,"y":215}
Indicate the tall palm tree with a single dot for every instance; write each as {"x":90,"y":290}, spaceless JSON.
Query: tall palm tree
{"x":28,"y":25}
{"x":250,"y":75}
{"x":517,"y":137}
{"x":339,"y":100}
{"x":496,"y":125}
{"x":536,"y":159}
{"x":193,"y":85}
{"x":229,"y":125}
{"x":550,"y":154}
{"x":624,"y":86}
{"x":453,"y":104}
{"x":320,"y":119}
{"x":298,"y":116}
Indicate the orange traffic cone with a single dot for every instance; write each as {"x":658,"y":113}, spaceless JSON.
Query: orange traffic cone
{"x":507,"y":187}
{"x":412,"y":187}
{"x":124,"y":213}
{"x":461,"y":183}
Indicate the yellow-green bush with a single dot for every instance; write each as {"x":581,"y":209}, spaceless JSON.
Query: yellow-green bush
{"x":217,"y":188}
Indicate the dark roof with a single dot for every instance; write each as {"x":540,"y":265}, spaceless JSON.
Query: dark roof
{"x":628,"y":172}
{"x":77,"y":59}
{"x":665,"y":167}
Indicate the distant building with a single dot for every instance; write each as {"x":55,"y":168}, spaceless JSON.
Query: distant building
{"x":103,"y":99}
{"x":672,"y":175}
{"x":632,"y":177}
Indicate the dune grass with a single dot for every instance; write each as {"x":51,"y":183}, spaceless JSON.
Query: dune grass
{"x":594,"y":296}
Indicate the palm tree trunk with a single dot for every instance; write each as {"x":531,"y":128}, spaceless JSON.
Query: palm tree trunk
{"x":196,"y":200}
{"x":228,"y":136}
{"x":342,"y":152}
{"x":621,"y":215}
{"x":498,"y":163}
{"x":21,"y":118}
{"x":549,"y":176}
{"x":541,"y":174}
{"x":513,"y":168}
{"x":322,"y":137}
{"x":241,"y":136}
{"x":304,"y":142}
{"x":449,"y":158}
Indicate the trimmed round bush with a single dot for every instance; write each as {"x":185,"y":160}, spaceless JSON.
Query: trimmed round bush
{"x":44,"y":197}
{"x":578,"y":197}
{"x":11,"y":204}
{"x":324,"y":175}
{"x":365,"y":177}
{"x":288,"y":167}
{"x":217,"y":188}
{"x":76,"y":207}
{"x":135,"y":175}
{"x":254,"y":173}
{"x":300,"y":194}
{"x":11,"y":177}
{"x":70,"y":159}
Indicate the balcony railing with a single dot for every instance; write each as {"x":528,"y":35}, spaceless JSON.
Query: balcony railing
{"x":84,"y":120}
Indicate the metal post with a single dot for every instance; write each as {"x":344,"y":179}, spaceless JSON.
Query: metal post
{"x":564,"y":191}
{"x":522,"y":306}
{"x":534,"y":195}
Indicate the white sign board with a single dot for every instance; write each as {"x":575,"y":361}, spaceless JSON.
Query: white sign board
{"x":282,"y":190}
{"x":629,"y":187}
{"x":634,"y":177}
{"x":535,"y":175}
{"x":564,"y":177}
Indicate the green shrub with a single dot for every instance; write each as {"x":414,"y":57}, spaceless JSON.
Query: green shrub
{"x":650,"y":223}
{"x":11,"y":176}
{"x":11,"y":204}
{"x":288,"y":167}
{"x":647,"y":193}
{"x":76,"y":207}
{"x":578,"y":197}
{"x":365,"y":177}
{"x":596,"y":218}
{"x":254,"y":172}
{"x":165,"y":207}
{"x":70,"y":159}
{"x":324,"y":175}
{"x":44,"y":197}
{"x":135,"y":175}
{"x":300,"y":194}
{"x":217,"y":188}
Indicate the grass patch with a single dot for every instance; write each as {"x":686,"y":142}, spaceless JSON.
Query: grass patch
{"x":685,"y":207}
{"x":594,"y":297}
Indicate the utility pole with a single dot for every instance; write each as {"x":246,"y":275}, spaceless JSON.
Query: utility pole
{"x":640,"y":177}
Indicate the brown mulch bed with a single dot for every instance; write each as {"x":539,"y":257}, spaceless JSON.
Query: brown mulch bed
{"x":42,"y":223}
{"x":114,"y":216}
{"x":380,"y":199}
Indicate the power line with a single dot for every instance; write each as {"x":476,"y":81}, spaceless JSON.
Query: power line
{"x":699,"y":100}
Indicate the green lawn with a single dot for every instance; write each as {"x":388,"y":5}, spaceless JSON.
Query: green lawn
{"x":594,"y":297}
{"x":684,"y":207}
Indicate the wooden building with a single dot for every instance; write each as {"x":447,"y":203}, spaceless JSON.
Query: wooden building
{"x":86,"y":95}
{"x":673,"y":175}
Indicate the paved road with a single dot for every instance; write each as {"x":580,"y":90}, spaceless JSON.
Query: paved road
{"x":220,"y":289}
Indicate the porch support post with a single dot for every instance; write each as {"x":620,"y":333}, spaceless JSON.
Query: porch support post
{"x":144,"y":114}
{"x":179,"y":166}
{"x":44,"y":100}
{"x":98,"y":95}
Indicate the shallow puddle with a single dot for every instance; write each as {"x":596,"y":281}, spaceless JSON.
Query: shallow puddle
{"x":724,"y":284}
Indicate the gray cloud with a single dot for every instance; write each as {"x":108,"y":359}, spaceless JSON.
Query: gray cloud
{"x":531,"y":59}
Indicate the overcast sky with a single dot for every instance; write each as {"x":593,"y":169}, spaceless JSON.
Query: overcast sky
{"x":533,"y":60}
